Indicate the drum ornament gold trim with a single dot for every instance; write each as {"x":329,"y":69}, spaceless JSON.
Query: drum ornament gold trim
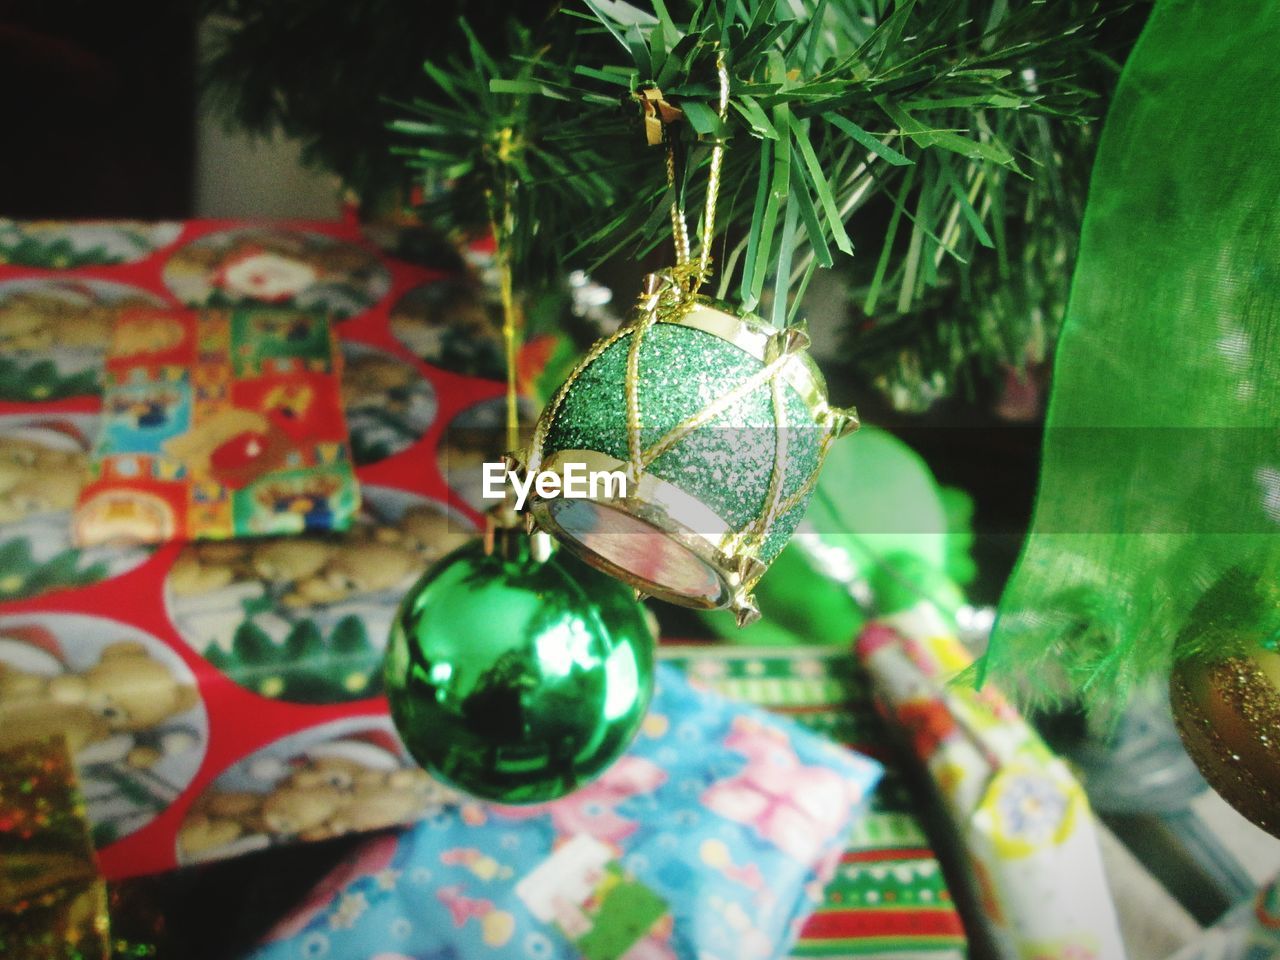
{"x":679,"y":516}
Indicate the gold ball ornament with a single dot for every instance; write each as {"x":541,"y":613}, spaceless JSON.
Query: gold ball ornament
{"x":1228,"y":715}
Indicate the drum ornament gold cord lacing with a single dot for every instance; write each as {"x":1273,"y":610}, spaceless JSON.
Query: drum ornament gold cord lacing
{"x":669,"y":294}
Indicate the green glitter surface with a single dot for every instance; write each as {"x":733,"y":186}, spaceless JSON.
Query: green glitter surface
{"x":780,"y":531}
{"x":727,"y":464}
{"x":593,"y":414}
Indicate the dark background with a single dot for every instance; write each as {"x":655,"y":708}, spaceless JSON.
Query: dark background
{"x":97,"y":109}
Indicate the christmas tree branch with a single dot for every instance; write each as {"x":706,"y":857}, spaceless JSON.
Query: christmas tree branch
{"x":808,"y":86}
{"x":929,"y":142}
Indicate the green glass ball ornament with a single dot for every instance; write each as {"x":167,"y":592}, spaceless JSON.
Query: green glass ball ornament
{"x":515,"y":676}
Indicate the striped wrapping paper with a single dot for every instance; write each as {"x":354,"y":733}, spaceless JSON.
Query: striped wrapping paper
{"x":888,"y":897}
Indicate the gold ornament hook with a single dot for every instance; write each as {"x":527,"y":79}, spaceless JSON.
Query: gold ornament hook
{"x":500,"y":224}
{"x":689,"y":277}
{"x":713,"y":178}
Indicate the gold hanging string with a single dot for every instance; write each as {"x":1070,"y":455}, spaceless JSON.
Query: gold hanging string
{"x":681,"y":284}
{"x":500,"y":215}
{"x":510,"y":340}
{"x":690,"y":278}
{"x":679,"y":228}
{"x":502,"y":518}
{"x":713,"y":177}
{"x":659,"y":116}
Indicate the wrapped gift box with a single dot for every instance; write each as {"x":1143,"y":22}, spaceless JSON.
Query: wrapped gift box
{"x":889,"y":896}
{"x":206,"y":688}
{"x":260,"y":721}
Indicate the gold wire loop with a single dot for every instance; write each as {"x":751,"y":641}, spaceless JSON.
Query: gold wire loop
{"x":713,"y":177}
{"x":500,"y":216}
{"x":689,"y":277}
{"x":510,"y":338}
{"x":679,"y":228}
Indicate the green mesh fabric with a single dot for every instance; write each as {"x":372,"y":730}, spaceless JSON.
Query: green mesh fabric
{"x":1155,"y":533}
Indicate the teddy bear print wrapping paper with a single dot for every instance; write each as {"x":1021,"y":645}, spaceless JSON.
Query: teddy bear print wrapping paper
{"x":303,"y":619}
{"x":125,"y":702}
{"x":286,"y":629}
{"x":289,"y":631}
{"x":54,"y":332}
{"x":43,"y":459}
{"x":348,"y":776}
{"x":82,"y":243}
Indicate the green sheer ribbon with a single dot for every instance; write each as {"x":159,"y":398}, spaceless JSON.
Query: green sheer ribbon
{"x":887,"y":536}
{"x":1157,"y":528}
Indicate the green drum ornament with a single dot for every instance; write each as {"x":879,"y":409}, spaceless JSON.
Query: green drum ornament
{"x":717,"y":421}
{"x":518,"y":677}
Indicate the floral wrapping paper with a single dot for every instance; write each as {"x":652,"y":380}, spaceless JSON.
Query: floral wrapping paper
{"x":710,"y":839}
{"x":1024,"y":821}
{"x":218,"y":424}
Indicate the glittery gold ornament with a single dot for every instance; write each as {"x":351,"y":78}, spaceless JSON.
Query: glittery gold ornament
{"x":53,"y":900}
{"x":719,"y":424}
{"x":1228,"y":713}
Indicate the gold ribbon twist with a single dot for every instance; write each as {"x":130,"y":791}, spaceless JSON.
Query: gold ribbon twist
{"x":690,"y":276}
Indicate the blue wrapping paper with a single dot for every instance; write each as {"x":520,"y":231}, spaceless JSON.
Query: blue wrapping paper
{"x":710,"y":839}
